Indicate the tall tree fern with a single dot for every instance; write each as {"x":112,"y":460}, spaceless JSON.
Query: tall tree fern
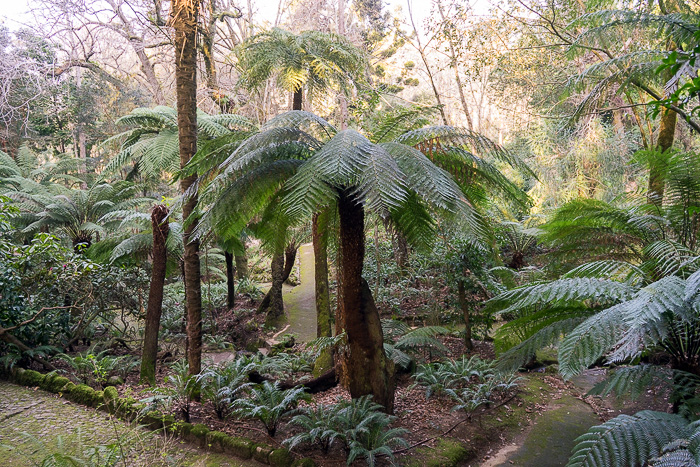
{"x":303,"y":164}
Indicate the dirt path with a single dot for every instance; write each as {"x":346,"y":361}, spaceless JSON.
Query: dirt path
{"x":300,"y":301}
{"x":548,"y":442}
{"x":35,"y":424}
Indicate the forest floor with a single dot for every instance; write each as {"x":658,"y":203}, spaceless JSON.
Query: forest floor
{"x":35,"y":424}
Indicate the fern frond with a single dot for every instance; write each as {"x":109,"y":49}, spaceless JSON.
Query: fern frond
{"x":628,"y":439}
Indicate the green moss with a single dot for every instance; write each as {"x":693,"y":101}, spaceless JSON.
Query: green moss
{"x":198,"y":434}
{"x":98,"y":400}
{"x":110,"y":398}
{"x":216,"y":440}
{"x":68,"y":388}
{"x":447,"y":453}
{"x":262,"y":452}
{"x":85,"y":395}
{"x":306,"y":462}
{"x":30,"y":378}
{"x":547,"y":356}
{"x":239,"y":447}
{"x":281,"y":458}
{"x":55,"y":383}
{"x":128,"y":407}
{"x":181,"y":429}
{"x":153,"y":420}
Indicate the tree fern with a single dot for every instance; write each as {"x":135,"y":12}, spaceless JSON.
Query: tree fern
{"x":628,"y":440}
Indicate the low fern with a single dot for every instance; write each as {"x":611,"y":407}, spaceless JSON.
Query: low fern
{"x":222,"y":385}
{"x":269,"y":404}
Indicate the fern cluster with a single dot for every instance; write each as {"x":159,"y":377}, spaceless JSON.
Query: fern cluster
{"x":469,"y":382}
{"x":359,"y":424}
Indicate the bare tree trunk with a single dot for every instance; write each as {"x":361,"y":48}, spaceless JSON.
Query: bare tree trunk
{"x":343,"y":101}
{"x":458,"y":79}
{"x":159,"y":223}
{"x":365,"y":368}
{"x":424,"y":58}
{"x":230,"y":283}
{"x":184,"y":22}
{"x":297,"y":99}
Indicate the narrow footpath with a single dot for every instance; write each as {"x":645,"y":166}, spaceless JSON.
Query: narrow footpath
{"x":300,"y":301}
{"x":35,"y":424}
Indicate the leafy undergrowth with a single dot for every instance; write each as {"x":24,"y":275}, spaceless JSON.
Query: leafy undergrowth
{"x":426,"y":424}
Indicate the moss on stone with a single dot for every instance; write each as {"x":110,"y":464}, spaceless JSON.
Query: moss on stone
{"x":261,"y":453}
{"x":239,"y":447}
{"x":68,"y":388}
{"x":110,"y":398}
{"x":55,"y":383}
{"x":127,"y":407}
{"x":198,"y":434}
{"x":30,"y":378}
{"x":84,"y":394}
{"x":216,"y":440}
{"x":281,"y":458}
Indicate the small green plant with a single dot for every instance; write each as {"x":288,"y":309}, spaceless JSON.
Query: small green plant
{"x":430,"y":376}
{"x":367,"y":433}
{"x":14,"y":355}
{"x":320,"y":425}
{"x":359,"y":423}
{"x":179,"y":391}
{"x":221,"y":384}
{"x":269,"y":404}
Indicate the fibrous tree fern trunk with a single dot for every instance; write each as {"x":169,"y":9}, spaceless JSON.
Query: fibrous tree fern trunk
{"x":466,"y":314}
{"x":184,"y":22}
{"x":290,"y":257}
{"x":273,"y":304}
{"x":241,"y":265}
{"x":365,"y":368}
{"x":323,"y":304}
{"x":161,"y":229}
{"x":230,"y":282}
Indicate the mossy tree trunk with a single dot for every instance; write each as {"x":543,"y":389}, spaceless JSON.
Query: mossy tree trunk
{"x":241,"y":266}
{"x":466,"y":313}
{"x":273,"y":304}
{"x":657,"y":169}
{"x":184,"y":22}
{"x":365,"y":368}
{"x":161,"y":229}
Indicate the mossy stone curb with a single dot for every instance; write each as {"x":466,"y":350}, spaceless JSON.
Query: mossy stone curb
{"x":262,"y":452}
{"x":130,"y":408}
